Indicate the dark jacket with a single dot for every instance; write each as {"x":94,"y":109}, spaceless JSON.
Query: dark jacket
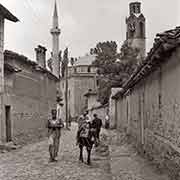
{"x":97,"y":123}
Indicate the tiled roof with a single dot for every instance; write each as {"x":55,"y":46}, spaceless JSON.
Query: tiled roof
{"x":7,"y":14}
{"x":85,"y":60}
{"x":11,"y":68}
{"x":22,"y":58}
{"x":164,"y":44}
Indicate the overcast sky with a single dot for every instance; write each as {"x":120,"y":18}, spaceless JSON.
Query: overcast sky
{"x":83,"y":23}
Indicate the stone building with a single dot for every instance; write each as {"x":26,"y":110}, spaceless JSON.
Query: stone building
{"x":29,"y":95}
{"x":4,"y":14}
{"x":91,"y":98}
{"x":148,"y":107}
{"x":135,"y":25}
{"x":81,"y":78}
{"x":28,"y":90}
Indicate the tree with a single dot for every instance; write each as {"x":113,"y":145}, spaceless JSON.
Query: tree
{"x":106,"y":54}
{"x":73,"y":61}
{"x":65,"y":62}
{"x":49,"y":63}
{"x":113,"y":68}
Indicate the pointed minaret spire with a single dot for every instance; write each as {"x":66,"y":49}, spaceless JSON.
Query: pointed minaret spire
{"x":55,"y":31}
{"x":55,"y":10}
{"x":55,"y":16}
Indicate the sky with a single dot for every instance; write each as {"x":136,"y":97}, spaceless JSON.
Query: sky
{"x":83,"y":23}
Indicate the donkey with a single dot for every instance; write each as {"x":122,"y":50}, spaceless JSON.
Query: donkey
{"x":86,"y":137}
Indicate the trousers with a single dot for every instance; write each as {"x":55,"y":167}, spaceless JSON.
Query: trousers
{"x":54,"y":140}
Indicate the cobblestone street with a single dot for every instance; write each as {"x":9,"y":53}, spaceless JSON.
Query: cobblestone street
{"x":127,"y":164}
{"x":31,"y":162}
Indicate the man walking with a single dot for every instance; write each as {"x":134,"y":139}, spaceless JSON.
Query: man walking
{"x":54,"y":133}
{"x":97,"y":124}
{"x":59,"y":118}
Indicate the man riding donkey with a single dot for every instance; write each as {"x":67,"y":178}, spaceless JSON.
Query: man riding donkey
{"x":87,"y":135}
{"x":54,"y":131}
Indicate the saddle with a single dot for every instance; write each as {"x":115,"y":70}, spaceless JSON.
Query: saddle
{"x":84,"y":131}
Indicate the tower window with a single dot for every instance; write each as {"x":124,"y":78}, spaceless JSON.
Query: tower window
{"x":134,"y":9}
{"x":141,"y":29}
{"x":138,"y":9}
{"x":75,"y":70}
{"x":131,"y":34}
{"x":89,"y":69}
{"x":131,"y":30}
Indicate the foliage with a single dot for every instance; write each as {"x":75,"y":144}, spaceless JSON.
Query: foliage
{"x":50,"y":61}
{"x":113,"y":68}
{"x":64,"y":63}
{"x":106,"y":54}
{"x":72,"y":61}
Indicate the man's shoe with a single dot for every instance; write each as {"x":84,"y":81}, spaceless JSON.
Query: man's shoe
{"x":55,"y":159}
{"x":51,"y":160}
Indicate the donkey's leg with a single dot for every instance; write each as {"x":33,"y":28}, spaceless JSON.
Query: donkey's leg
{"x":81,"y":153}
{"x":89,"y":155}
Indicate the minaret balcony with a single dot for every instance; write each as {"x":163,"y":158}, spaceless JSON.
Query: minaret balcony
{"x":55,"y":31}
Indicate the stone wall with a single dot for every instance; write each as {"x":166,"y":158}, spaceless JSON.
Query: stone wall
{"x":31,"y":95}
{"x":150,"y":115}
{"x":1,"y":72}
{"x":112,"y":108}
{"x":92,"y":101}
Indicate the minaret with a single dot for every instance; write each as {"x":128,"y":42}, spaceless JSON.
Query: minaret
{"x":55,"y":31}
{"x":136,"y":35}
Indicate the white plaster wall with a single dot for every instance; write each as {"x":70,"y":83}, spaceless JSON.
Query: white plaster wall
{"x":112,"y":108}
{"x":92,"y":102}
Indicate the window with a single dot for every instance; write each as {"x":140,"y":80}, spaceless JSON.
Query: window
{"x":134,"y":9}
{"x":141,"y":29}
{"x":89,"y":69}
{"x":69,"y":93}
{"x":75,"y":70}
{"x":138,"y":9}
{"x":97,"y":82}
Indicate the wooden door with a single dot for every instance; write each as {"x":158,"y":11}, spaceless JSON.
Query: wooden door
{"x":8,"y":123}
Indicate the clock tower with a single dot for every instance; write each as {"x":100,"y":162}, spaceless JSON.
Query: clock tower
{"x":135,"y":35}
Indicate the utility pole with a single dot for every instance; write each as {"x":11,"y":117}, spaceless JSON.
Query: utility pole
{"x":66,"y":85}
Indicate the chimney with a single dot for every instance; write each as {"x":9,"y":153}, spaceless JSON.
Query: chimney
{"x":135,"y":8}
{"x":41,"y":56}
